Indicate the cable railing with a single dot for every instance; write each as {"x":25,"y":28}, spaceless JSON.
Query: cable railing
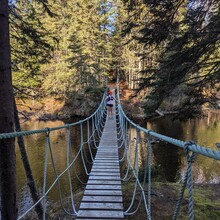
{"x":94,"y":124}
{"x":190,"y":148}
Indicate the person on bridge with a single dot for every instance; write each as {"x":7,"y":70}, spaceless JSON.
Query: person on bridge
{"x":109,"y":104}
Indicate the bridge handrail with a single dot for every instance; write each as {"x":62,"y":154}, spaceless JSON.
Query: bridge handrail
{"x":190,"y":149}
{"x":97,"y":121}
{"x":191,"y":146}
{"x":38,"y":131}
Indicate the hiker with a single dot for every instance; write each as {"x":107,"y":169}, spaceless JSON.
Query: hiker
{"x":109,"y":103}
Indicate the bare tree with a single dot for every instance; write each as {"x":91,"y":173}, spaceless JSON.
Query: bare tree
{"x":7,"y":146}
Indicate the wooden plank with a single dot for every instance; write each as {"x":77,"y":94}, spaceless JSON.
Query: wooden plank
{"x":104,"y":182}
{"x":104,"y":156}
{"x":107,"y":166}
{"x":105,"y":206}
{"x":109,"y":174}
{"x":98,"y":213}
{"x":111,"y":149}
{"x":108,"y":152}
{"x":103,"y":195}
{"x":104,"y":198}
{"x":104,"y":178}
{"x":110,"y":156}
{"x":93,"y":173}
{"x":109,"y":171}
{"x":104,"y":187}
{"x":115,"y":152}
{"x":105,"y":161}
{"x":83,"y":218}
{"x":105,"y":170}
{"x":102,"y":192}
{"x":108,"y":145}
{"x":107,"y":158}
{"x":109,"y":163}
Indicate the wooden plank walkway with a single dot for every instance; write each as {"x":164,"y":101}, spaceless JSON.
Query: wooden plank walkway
{"x":102,"y":197}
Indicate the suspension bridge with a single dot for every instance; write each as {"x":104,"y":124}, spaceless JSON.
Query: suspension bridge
{"x":106,"y":145}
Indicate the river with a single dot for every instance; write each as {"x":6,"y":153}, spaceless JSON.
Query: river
{"x":169,"y":160}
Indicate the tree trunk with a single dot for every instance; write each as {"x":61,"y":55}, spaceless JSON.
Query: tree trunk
{"x":7,"y":146}
{"x":27,"y":167}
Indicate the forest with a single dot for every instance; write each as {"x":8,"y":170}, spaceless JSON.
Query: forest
{"x":167,"y":52}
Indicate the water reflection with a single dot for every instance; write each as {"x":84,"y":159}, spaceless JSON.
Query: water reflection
{"x":165,"y":158}
{"x":171,"y":159}
{"x":35,"y":147}
{"x":168,"y":159}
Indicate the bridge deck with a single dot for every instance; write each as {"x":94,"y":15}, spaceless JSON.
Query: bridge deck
{"x":103,"y":195}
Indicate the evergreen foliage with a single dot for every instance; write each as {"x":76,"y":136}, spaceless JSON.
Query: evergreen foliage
{"x":185,"y":35}
{"x":29,"y":47}
{"x":59,"y":47}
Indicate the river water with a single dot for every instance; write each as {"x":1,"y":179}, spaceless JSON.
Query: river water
{"x":169,"y":160}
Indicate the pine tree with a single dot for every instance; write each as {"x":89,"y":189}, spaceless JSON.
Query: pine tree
{"x":57,"y":75}
{"x":190,"y":56}
{"x":29,"y":48}
{"x":134,"y":14}
{"x":180,"y":39}
{"x":7,"y":146}
{"x":89,"y":43}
